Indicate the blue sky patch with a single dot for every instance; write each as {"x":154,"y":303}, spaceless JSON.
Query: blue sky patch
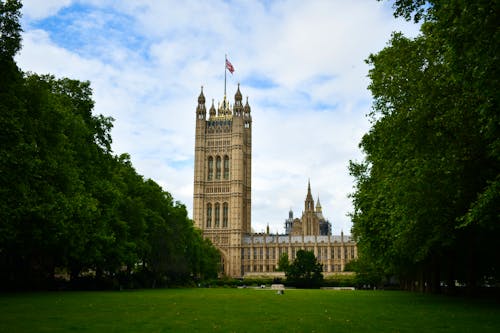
{"x":261,"y":82}
{"x":86,"y":30}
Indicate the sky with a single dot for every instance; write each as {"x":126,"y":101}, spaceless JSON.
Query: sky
{"x":301,"y":64}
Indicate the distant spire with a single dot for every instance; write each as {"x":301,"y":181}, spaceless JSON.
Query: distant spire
{"x":200,"y":109}
{"x":237,"y":96}
{"x":309,"y":203}
{"x":201,"y":98}
{"x":212,"y":109}
{"x":247,"y":107}
{"x":224,"y":108}
{"x":318,"y":206}
{"x":238,"y":106}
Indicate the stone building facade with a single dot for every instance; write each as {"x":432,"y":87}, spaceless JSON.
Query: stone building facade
{"x":222,"y":199}
{"x":312,"y":222}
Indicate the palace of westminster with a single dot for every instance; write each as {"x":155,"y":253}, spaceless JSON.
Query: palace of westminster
{"x":222,"y":200}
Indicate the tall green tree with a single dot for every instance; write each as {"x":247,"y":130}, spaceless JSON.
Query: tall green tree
{"x":10,"y":28}
{"x":67,"y":204}
{"x":283,"y":262}
{"x":305,"y":271}
{"x":426,"y":194}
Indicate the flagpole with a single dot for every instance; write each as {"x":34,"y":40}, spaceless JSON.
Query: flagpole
{"x":225,"y":70}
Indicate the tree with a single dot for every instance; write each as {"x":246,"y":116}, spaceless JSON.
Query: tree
{"x":283,"y":263}
{"x":204,"y":257}
{"x":426,"y":192}
{"x":70,"y":205}
{"x":368,"y":275}
{"x":67,"y":204}
{"x":10,"y":28}
{"x":46,"y":177}
{"x":305,"y":271}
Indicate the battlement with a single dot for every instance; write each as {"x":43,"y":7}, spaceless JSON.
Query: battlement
{"x":288,"y":239}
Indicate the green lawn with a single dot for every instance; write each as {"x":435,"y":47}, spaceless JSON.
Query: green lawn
{"x":244,"y":310}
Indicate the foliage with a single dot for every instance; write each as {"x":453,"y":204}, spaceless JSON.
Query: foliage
{"x":426,"y":197}
{"x":10,"y":28}
{"x":341,"y":280}
{"x":226,"y":281}
{"x":283,"y":263}
{"x":67,"y":204}
{"x":367,"y":274}
{"x":305,"y":271}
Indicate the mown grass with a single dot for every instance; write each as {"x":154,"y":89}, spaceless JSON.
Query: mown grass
{"x":244,"y":310}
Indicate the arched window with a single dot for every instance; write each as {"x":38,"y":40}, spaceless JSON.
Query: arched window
{"x":209,"y":215}
{"x":226,"y":167}
{"x":210,"y":168}
{"x":217,"y":167}
{"x":217,"y":215}
{"x":225,"y":214}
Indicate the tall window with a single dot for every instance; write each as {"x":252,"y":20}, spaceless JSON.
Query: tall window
{"x":226,"y":167}
{"x":210,"y":168}
{"x":217,"y":215}
{"x":225,"y":214}
{"x":217,"y":167}
{"x":209,"y":215}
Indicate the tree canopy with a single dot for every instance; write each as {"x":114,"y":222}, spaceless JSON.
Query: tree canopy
{"x":68,"y":205}
{"x":283,"y":262}
{"x":427,"y":193}
{"x":305,"y":271}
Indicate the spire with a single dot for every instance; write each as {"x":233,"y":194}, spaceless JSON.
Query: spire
{"x":201,"y":98}
{"x":309,"y":203}
{"x":212,"y":109}
{"x":319,"y":212}
{"x":247,"y":107}
{"x":224,"y":108}
{"x":318,"y":206}
{"x":237,"y":96}
{"x":200,"y":109}
{"x":238,"y":107}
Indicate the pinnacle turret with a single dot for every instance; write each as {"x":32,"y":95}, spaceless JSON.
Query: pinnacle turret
{"x":237,"y":96}
{"x":212,"y":109}
{"x":225,"y":109}
{"x":238,"y":107}
{"x":247,"y":107}
{"x":201,"y":98}
{"x":201,"y":111}
{"x":318,"y":206}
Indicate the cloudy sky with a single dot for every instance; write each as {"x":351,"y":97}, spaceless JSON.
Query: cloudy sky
{"x":301,"y":64}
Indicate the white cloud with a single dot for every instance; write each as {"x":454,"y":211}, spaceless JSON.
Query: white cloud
{"x":301,"y":63}
{"x":36,"y":9}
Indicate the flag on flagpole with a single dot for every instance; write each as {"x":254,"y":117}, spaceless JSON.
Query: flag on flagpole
{"x":229,"y":66}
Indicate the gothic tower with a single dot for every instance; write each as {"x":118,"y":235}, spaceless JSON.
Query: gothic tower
{"x":310,"y":223}
{"x":222,"y":176}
